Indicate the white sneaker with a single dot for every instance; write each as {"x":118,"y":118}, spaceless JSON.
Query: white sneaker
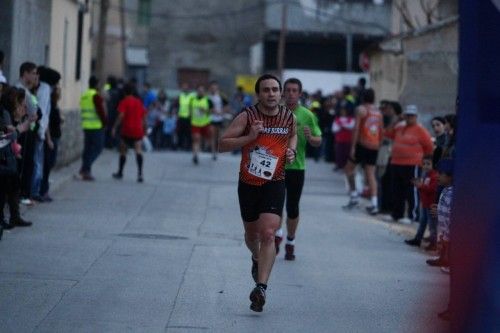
{"x":405,"y":220}
{"x":26,"y":202}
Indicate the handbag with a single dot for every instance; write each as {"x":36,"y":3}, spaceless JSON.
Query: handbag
{"x":8,"y":163}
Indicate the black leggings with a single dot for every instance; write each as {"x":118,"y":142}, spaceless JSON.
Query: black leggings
{"x":294,"y":182}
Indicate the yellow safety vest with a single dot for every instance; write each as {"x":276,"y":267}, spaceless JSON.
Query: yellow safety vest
{"x":184,"y":102}
{"x":200,"y":111}
{"x":90,"y":118}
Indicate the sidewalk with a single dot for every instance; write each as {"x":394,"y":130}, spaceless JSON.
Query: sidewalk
{"x":168,"y":255}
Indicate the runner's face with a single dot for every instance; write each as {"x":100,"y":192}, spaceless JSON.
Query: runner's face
{"x":292,"y":94}
{"x":269,"y":93}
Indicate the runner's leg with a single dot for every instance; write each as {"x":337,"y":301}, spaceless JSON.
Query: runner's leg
{"x":267,"y":225}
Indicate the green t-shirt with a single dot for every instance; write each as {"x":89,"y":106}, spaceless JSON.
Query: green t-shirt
{"x":304,"y":118}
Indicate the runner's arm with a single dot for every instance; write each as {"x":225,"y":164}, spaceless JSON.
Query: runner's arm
{"x":312,"y":132}
{"x":291,"y":151}
{"x":233,"y":137}
{"x":117,"y":123}
{"x":355,"y":132}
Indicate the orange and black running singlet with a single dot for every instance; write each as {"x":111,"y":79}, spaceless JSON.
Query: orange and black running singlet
{"x":264,"y":159}
{"x":370,"y":128}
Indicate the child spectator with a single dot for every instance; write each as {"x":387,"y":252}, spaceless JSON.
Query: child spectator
{"x":443,"y":211}
{"x":169,"y":126}
{"x":427,"y":189}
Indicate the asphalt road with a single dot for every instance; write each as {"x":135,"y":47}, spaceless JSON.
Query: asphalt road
{"x":168,"y":256}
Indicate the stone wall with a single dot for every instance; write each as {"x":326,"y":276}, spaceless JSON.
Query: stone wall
{"x":424,"y":71}
{"x":431,"y":75}
{"x":25,"y":33}
{"x":200,"y":36}
{"x":71,"y":144}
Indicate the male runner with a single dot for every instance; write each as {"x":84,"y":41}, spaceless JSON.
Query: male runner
{"x":307,"y":131}
{"x":200,"y":109}
{"x":367,"y":137}
{"x":267,"y":135}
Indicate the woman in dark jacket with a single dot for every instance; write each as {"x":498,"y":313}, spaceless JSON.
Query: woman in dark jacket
{"x":12,"y":124}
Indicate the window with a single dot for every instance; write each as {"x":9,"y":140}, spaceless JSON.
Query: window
{"x":144,"y":12}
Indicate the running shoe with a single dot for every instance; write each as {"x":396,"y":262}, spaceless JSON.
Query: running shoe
{"x":289,"y":249}
{"x":6,"y":226}
{"x":20,"y":222}
{"x":372,"y":210}
{"x":26,"y":202}
{"x":117,"y":175}
{"x":277,"y":242}
{"x":445,"y":270}
{"x":140,"y":179}
{"x":258,"y":299}
{"x":412,"y":242}
{"x":255,"y":269}
{"x":353,"y":202}
{"x":195,"y":160}
{"x":431,"y":247}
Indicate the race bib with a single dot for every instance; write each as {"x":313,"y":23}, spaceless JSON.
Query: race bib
{"x":262,"y":165}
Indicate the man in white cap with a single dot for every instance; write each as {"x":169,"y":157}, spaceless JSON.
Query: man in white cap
{"x":411,"y":143}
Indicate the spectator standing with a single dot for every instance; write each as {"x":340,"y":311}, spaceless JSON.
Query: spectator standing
{"x":342,"y":127}
{"x":411,"y":142}
{"x":441,"y":138}
{"x":55,"y":131}
{"x":93,"y":123}
{"x":113,"y":97}
{"x":43,"y":93}
{"x":2,"y":61}
{"x":12,"y":112}
{"x":427,"y":189}
{"x":392,"y":112}
{"x":148,"y":96}
{"x":240,"y":101}
{"x":28,"y":79}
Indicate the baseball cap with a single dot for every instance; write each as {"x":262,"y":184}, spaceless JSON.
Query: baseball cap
{"x":411,"y":110}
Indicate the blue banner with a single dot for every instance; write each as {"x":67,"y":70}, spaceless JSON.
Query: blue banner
{"x":475,"y":229}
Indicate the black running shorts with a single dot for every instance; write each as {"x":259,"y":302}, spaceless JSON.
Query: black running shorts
{"x":255,"y":200}
{"x":130,"y":142}
{"x":365,"y":156}
{"x":294,"y":182}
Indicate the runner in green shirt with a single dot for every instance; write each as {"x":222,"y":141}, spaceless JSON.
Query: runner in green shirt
{"x":307,"y":131}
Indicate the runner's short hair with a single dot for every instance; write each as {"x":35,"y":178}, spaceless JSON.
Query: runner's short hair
{"x":266,"y":77}
{"x":293,"y":81}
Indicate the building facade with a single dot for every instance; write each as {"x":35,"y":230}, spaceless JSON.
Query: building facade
{"x":418,"y":64}
{"x":53,"y":33}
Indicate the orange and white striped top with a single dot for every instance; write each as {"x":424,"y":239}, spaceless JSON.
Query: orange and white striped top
{"x":268,"y":151}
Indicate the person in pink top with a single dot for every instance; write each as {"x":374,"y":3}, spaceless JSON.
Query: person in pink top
{"x":342,"y":127}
